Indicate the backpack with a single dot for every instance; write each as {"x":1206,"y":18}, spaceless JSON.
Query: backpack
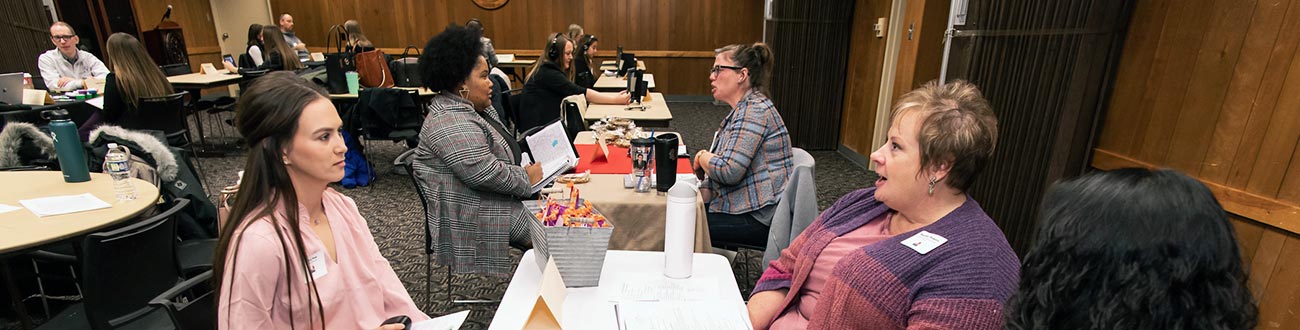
{"x":357,"y":169}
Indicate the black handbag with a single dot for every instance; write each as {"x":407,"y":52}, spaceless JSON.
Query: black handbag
{"x":406,"y":70}
{"x":338,"y":63}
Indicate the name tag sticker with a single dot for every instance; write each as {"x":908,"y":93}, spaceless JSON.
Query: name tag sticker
{"x":317,"y":265}
{"x":924,"y":242}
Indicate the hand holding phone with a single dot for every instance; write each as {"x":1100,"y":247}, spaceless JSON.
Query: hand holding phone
{"x":400,"y":319}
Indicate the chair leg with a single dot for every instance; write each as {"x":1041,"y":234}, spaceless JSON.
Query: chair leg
{"x":428,"y":277}
{"x":40,"y":285}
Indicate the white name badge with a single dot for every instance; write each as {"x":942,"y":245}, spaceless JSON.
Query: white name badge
{"x":924,"y":241}
{"x":316,"y":263}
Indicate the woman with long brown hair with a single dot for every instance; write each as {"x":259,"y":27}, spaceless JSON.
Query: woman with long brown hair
{"x":274,"y":57}
{"x":297,"y":254}
{"x":133,"y":76}
{"x":357,"y":41}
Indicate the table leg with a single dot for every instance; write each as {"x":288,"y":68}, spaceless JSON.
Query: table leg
{"x":15,"y":298}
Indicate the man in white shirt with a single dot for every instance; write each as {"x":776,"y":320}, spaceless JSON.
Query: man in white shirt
{"x":286,"y":27}
{"x":65,"y":67}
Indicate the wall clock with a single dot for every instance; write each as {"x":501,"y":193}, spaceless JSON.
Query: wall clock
{"x":490,"y":4}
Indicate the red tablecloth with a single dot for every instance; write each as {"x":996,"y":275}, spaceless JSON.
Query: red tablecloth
{"x":618,"y":162}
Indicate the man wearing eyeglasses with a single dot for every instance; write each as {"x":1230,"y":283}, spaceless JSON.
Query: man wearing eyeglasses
{"x":65,"y":67}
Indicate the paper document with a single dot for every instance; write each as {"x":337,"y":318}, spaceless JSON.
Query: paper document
{"x":655,"y":287}
{"x":57,"y":205}
{"x":505,"y":57}
{"x":7,"y":208}
{"x":98,"y":102}
{"x":450,"y":321}
{"x":551,"y":147}
{"x":697,"y":315}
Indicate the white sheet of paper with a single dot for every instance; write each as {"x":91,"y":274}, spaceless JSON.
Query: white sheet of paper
{"x":56,"y":205}
{"x":551,"y":147}
{"x":450,"y":321}
{"x":505,"y":57}
{"x":8,"y":208}
{"x":699,"y":315}
{"x":656,"y":287}
{"x":98,"y":102}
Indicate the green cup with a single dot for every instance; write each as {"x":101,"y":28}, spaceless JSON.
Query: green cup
{"x":354,"y":82}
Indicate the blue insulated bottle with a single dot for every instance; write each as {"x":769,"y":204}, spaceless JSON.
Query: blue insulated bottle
{"x":72,"y":155}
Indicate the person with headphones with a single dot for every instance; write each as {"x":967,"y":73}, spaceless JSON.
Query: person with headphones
{"x":547,"y":84}
{"x":583,"y":73}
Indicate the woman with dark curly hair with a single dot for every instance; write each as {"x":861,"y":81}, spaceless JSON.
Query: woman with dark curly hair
{"x":1132,"y":249}
{"x":468,"y":161}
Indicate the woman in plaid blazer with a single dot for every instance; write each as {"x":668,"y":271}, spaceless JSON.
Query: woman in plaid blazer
{"x":468,"y":161}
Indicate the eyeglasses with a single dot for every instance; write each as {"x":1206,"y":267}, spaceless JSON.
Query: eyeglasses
{"x":718,"y":68}
{"x":63,"y":37}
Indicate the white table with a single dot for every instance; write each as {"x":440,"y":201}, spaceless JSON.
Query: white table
{"x":619,"y":83}
{"x":585,"y":308}
{"x":655,"y":112}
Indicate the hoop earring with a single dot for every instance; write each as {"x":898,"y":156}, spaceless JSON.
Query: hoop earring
{"x":933,"y":181}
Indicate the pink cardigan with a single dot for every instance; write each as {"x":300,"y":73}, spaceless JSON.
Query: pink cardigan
{"x":359,"y":291}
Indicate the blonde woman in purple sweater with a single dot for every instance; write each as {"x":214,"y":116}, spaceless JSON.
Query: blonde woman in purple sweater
{"x":913,"y":252}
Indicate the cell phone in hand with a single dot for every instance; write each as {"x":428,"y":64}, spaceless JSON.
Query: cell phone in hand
{"x":400,"y":319}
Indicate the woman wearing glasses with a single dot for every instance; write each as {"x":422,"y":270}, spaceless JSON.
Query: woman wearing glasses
{"x":750,"y":158}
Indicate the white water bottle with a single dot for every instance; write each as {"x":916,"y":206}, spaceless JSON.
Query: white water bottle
{"x":679,"y":230}
{"x":117,"y":162}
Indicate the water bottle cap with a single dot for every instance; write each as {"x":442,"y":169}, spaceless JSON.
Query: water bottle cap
{"x":56,"y":114}
{"x":682,"y":189}
{"x":112,"y":145}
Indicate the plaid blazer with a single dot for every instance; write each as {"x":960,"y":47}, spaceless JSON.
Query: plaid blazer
{"x":472,"y":187}
{"x":752,"y":157}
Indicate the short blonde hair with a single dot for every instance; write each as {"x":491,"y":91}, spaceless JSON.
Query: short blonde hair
{"x":958,"y":128}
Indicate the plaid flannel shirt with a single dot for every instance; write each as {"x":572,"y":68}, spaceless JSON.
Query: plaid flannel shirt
{"x":752,"y":157}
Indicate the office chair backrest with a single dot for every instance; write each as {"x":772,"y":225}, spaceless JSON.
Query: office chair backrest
{"x":191,"y":304}
{"x":124,"y":269}
{"x":163,"y":113}
{"x":407,"y":161}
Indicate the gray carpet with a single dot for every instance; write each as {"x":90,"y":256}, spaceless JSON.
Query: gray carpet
{"x":393,"y":211}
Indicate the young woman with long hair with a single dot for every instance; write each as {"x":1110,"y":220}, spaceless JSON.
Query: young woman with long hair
{"x":255,"y":45}
{"x":278,"y":55}
{"x":133,"y":76}
{"x":357,"y":41}
{"x":296,"y":254}
{"x":585,"y":69}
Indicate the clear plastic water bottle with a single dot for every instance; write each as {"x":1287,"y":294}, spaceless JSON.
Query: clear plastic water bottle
{"x":118,"y":164}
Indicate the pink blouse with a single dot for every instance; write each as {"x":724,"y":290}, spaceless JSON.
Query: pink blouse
{"x":803,"y":305}
{"x":359,"y":290}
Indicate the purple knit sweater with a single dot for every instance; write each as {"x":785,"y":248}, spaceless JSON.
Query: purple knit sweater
{"x":962,"y":284}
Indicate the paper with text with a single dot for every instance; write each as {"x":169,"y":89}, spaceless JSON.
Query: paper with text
{"x":551,"y":147}
{"x":56,"y":205}
{"x":656,"y":287}
{"x":696,"y":315}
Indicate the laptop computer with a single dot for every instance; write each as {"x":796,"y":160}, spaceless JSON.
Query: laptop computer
{"x":11,"y":88}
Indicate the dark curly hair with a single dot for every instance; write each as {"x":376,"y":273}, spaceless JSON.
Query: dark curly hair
{"x":449,"y":57}
{"x":1132,"y":249}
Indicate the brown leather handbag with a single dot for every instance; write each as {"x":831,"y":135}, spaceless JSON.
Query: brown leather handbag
{"x":372,"y":67}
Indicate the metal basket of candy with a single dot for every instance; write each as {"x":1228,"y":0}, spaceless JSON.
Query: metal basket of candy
{"x":573,"y":232}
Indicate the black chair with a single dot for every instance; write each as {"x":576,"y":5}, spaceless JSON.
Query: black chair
{"x":190,"y":304}
{"x":407,"y":161}
{"x":163,"y":113}
{"x":513,"y":102}
{"x":176,"y":69}
{"x":123,"y":270}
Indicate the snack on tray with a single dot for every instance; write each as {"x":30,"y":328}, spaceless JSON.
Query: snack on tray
{"x":618,"y":131}
{"x":571,"y":212}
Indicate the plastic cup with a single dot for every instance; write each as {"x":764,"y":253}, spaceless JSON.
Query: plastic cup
{"x":354,"y":82}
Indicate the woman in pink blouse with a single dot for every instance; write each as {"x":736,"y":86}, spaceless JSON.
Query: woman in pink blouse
{"x":314,"y":265}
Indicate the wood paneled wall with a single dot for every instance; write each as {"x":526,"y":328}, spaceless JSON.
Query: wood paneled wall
{"x":27,"y":33}
{"x":195,"y":18}
{"x":1212,"y":88}
{"x":676,"y":37}
{"x":862,"y":79}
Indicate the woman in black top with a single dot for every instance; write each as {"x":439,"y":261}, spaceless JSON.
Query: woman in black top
{"x":135,"y":76}
{"x":547,"y":85}
{"x":583,"y":72}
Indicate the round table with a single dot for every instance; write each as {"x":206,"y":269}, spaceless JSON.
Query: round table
{"x":21,"y":229}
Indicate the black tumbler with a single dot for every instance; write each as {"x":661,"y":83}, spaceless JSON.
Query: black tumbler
{"x":666,"y":160}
